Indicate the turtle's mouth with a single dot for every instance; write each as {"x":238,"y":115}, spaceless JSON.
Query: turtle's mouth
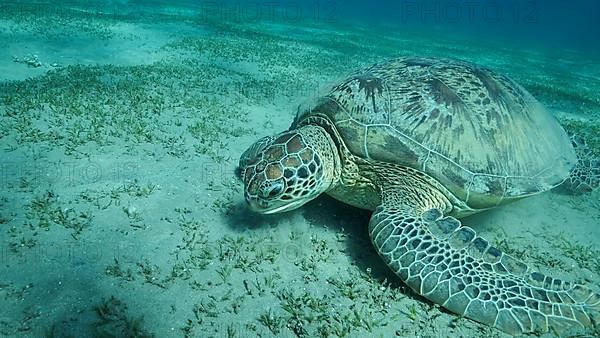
{"x":281,"y":208}
{"x":264,"y":207}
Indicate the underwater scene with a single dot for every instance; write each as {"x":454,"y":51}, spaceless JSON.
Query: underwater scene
{"x":300,"y":168}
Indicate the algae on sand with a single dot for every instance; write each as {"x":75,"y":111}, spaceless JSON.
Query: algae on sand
{"x":160,"y":243}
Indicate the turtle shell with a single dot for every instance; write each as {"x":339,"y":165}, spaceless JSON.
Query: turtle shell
{"x":480,"y":134}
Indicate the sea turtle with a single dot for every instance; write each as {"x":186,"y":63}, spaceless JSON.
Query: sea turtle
{"x":424,"y":141}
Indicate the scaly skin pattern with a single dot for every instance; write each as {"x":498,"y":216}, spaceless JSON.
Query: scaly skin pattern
{"x":450,"y":265}
{"x":284,"y":172}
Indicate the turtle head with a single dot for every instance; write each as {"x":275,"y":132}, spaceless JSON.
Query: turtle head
{"x":285,"y":171}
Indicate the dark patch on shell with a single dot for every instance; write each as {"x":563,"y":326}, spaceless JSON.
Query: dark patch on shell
{"x":448,"y":121}
{"x":415,"y":107}
{"x":443,"y":94}
{"x":493,"y":87}
{"x":420,"y":120}
{"x":372,"y":86}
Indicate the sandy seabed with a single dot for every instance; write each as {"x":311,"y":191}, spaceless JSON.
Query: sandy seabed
{"x":120,"y":214}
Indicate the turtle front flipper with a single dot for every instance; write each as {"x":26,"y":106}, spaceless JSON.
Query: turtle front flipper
{"x":450,"y":265}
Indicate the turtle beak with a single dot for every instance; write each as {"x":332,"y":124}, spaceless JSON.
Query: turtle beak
{"x":282,"y":208}
{"x":263,"y":207}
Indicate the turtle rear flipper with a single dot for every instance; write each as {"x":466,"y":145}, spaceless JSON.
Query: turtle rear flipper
{"x":450,"y":265}
{"x":585,"y":176}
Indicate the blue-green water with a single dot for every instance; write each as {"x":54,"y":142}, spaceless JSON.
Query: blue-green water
{"x":121,"y":125}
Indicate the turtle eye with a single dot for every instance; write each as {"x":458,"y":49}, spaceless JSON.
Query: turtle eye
{"x":276,"y":189}
{"x":272,"y":189}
